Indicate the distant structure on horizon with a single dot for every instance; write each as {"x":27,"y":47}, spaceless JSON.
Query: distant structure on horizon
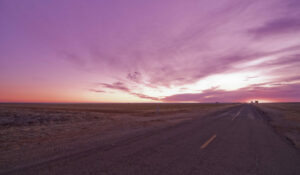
{"x":256,"y":102}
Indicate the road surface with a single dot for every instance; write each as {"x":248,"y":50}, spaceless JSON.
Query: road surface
{"x":234,"y":141}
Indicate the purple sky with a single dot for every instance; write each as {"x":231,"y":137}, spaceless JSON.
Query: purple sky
{"x":149,"y":51}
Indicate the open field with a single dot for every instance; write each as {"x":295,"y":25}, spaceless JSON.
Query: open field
{"x":147,"y":139}
{"x":31,"y":132}
{"x":285,"y":119}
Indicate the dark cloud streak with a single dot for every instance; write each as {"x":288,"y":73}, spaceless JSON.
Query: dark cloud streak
{"x":122,"y":87}
{"x":276,"y":27}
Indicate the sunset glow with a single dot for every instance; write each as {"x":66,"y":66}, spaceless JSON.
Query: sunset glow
{"x":149,"y":51}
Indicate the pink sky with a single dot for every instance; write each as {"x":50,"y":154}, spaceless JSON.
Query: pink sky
{"x":149,"y":51}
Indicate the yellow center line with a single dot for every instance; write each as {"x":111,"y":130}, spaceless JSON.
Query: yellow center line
{"x":208,"y":141}
{"x":236,"y":115}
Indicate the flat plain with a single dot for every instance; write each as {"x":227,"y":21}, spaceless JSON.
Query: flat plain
{"x":149,"y":138}
{"x":37,"y":132}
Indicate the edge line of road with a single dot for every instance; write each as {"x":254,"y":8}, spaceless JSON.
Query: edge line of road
{"x":237,"y":115}
{"x":208,"y":141}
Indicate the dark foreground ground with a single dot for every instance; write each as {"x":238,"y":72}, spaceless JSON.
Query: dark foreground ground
{"x":182,"y":139}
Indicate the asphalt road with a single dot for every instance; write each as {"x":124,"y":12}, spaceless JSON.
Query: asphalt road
{"x":235,"y":141}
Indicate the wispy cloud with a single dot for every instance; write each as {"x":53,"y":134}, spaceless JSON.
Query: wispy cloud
{"x":96,"y":90}
{"x":277,"y":27}
{"x":135,"y":76}
{"x":278,"y":93}
{"x":116,"y":86}
{"x":122,"y":87}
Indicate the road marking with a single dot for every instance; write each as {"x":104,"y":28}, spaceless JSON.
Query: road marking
{"x":208,"y":141}
{"x":237,"y":114}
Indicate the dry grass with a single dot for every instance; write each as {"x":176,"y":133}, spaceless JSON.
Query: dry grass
{"x":290,"y":111}
{"x":35,"y":130}
{"x":285,"y":118}
{"x":130,"y":108}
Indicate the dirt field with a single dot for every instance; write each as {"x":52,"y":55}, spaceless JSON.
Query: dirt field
{"x":35,"y":132}
{"x":285,"y":118}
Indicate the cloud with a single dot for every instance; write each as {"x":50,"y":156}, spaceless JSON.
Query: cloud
{"x":293,"y":4}
{"x":96,"y":90}
{"x":286,"y":65}
{"x":287,"y":92}
{"x":145,"y":96}
{"x":122,"y":87}
{"x":116,"y":86}
{"x":180,"y":52}
{"x":135,"y":76}
{"x":276,"y":27}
